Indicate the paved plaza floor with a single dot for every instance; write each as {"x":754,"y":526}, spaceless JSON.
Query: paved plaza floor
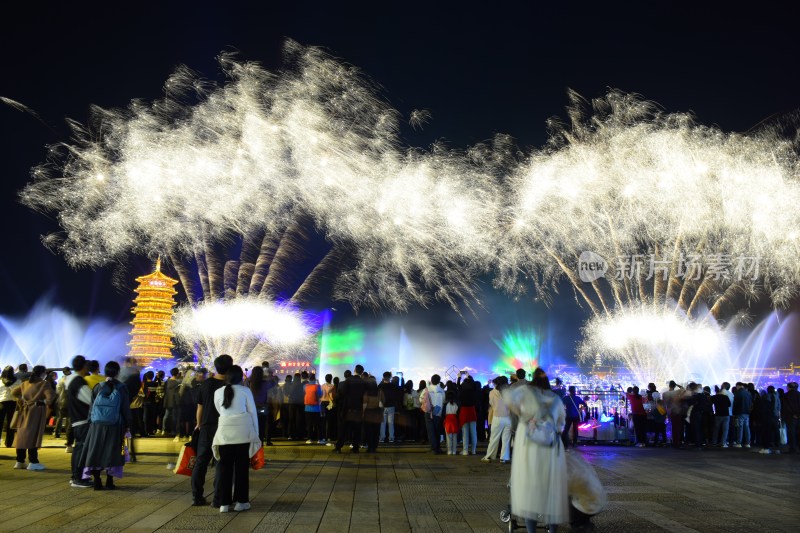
{"x":403,"y":488}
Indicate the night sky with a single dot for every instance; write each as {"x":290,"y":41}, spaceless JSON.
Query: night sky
{"x":479,"y":71}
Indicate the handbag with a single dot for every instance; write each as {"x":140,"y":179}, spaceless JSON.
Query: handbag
{"x":542,"y":432}
{"x":138,"y":400}
{"x":257,"y":461}
{"x":186,"y":460}
{"x":784,"y":436}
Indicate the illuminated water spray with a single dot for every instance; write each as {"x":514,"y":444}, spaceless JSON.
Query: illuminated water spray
{"x":51,"y":336}
{"x":519,"y":348}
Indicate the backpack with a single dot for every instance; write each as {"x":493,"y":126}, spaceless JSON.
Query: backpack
{"x":106,"y":406}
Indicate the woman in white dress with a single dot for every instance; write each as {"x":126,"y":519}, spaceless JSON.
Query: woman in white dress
{"x":235,"y":441}
{"x":538,"y":472}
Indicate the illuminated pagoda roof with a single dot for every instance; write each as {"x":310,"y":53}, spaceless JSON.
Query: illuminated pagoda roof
{"x":152,"y":322}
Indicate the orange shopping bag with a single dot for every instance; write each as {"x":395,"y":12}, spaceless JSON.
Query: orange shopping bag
{"x":186,"y":460}
{"x":257,"y":461}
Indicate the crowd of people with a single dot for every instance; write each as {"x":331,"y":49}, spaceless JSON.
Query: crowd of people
{"x":731,"y":417}
{"x":230,"y":413}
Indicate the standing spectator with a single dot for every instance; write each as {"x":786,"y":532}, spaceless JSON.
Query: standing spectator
{"x":770,"y":421}
{"x":755,"y":415}
{"x":742,"y":406}
{"x":172,"y":405}
{"x":312,"y":395}
{"x":160,"y":383}
{"x":467,"y":414}
{"x":722,"y":406}
{"x":350,"y":397}
{"x":187,"y":398}
{"x":698,"y":406}
{"x":149,"y":407}
{"x":433,"y":407}
{"x":639,"y":416}
{"x":61,"y":414}
{"x":8,"y":382}
{"x":259,"y":387}
{"x":373,"y":413}
{"x":110,"y":419}
{"x":573,"y":405}
{"x":410,"y":412}
{"x":484,"y":417}
{"x":500,"y":423}
{"x":451,"y":422}
{"x":274,"y":400}
{"x":422,"y":390}
{"x":390,"y":394}
{"x":297,"y":406}
{"x":328,"y":409}
{"x":35,"y":394}
{"x":792,"y":406}
{"x":131,"y":376}
{"x":538,"y":472}
{"x":286,"y":388}
{"x":79,"y":397}
{"x":235,"y":441}
{"x":672,"y":404}
{"x":660,"y":424}
{"x":94,"y":377}
{"x":207,"y":420}
{"x":22,"y":373}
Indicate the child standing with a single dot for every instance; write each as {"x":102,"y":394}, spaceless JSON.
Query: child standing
{"x":451,"y":423}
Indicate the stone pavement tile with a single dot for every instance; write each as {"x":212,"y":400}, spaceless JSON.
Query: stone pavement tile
{"x":403,"y":488}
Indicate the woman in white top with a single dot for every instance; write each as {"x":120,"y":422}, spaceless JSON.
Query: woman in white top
{"x":235,"y":441}
{"x":538,"y":472}
{"x":500,"y":423}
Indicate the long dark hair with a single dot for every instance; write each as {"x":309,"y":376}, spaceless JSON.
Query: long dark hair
{"x":234,"y":376}
{"x":256,"y":379}
{"x":540,"y":379}
{"x":8,"y":376}
{"x":36,"y":376}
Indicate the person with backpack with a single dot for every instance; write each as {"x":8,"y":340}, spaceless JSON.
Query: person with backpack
{"x":109,"y":420}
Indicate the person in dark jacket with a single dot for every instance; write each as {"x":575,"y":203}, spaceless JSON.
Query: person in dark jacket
{"x":79,"y":397}
{"x":104,"y":441}
{"x":699,"y":406}
{"x":350,"y":398}
{"x":468,"y":396}
{"x":742,"y":405}
{"x":791,"y":402}
{"x":172,"y":404}
{"x":572,"y":403}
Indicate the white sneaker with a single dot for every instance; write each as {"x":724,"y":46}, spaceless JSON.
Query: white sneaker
{"x":309,"y":442}
{"x":36,"y":466}
{"x":765,"y":451}
{"x":737,"y":445}
{"x":328,"y":444}
{"x":724,"y":445}
{"x":746,"y":445}
{"x":465,"y":452}
{"x":176,"y":439}
{"x":486,"y":460}
{"x":19,"y":466}
{"x":241,"y":507}
{"x":224,"y":508}
{"x":68,"y":449}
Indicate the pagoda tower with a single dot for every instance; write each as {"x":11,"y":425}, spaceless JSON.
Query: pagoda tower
{"x":152,"y":317}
